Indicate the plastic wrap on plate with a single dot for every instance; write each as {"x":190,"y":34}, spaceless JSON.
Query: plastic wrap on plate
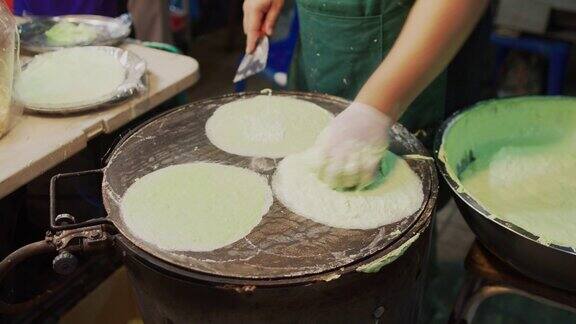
{"x":45,"y":34}
{"x":9,"y":67}
{"x":59,"y":73}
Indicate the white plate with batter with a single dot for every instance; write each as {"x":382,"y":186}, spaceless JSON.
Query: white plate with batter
{"x":79,"y":79}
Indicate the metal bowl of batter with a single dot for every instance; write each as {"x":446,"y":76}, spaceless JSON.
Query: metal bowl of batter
{"x":552,"y":264}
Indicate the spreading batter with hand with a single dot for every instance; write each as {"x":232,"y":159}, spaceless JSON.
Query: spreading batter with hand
{"x":388,"y":56}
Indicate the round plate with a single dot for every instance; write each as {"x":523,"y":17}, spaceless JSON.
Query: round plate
{"x":134,"y":82}
{"x":283,"y":244}
{"x":111,"y":31}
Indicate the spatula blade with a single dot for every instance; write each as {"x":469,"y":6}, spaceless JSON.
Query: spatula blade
{"x":255,"y":62}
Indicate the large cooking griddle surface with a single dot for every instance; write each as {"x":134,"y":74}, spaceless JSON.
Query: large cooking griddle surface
{"x":283,"y":244}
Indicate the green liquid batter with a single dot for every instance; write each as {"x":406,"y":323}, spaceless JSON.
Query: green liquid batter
{"x":67,"y":34}
{"x":517,"y":158}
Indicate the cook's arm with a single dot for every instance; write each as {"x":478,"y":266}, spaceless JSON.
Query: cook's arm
{"x":353,"y":143}
{"x":433,"y":33}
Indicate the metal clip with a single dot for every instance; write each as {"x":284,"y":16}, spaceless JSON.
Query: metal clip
{"x":86,"y":239}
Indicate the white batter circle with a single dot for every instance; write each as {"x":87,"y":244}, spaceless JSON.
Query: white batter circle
{"x":196,"y":206}
{"x":266,"y":126}
{"x":297,"y":186}
{"x":69,"y":77}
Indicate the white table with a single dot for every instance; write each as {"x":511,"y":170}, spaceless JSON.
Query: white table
{"x":38,"y":142}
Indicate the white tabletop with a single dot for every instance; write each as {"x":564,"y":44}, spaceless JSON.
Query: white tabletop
{"x":38,"y":143}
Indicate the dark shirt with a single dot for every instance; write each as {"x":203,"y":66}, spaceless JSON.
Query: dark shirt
{"x":66,"y":7}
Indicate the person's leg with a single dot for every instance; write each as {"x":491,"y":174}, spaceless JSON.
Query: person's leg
{"x":151,"y":20}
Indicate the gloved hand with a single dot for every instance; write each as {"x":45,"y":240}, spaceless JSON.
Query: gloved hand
{"x":259,"y":19}
{"x":352,"y":146}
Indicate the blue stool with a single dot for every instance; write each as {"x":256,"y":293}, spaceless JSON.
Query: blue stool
{"x":557,"y":53}
{"x":279,"y":58}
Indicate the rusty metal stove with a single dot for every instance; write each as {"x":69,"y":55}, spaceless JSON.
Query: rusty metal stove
{"x":288,"y":269}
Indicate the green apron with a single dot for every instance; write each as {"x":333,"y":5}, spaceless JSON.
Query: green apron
{"x":343,"y":41}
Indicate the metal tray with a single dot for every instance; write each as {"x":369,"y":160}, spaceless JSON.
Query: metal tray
{"x":134,"y":82}
{"x":111,"y":31}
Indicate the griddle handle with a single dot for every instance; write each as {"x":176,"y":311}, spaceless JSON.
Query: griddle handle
{"x":54,"y":226}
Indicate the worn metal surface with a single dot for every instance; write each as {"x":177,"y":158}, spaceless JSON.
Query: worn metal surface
{"x":393,"y":295}
{"x":284,"y":244}
{"x":546,"y":264}
{"x":550,"y":264}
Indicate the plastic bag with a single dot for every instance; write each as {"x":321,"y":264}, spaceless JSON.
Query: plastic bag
{"x":9,"y":68}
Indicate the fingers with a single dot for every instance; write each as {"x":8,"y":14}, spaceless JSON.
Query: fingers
{"x":259,"y":19}
{"x":251,"y":41}
{"x":350,"y":175}
{"x":331,"y":173}
{"x":272,"y":16}
{"x":369,"y":172}
{"x":340,"y":173}
{"x":252,"y":22}
{"x":351,"y":172}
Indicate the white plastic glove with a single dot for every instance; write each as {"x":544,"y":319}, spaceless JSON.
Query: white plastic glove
{"x":352,"y":145}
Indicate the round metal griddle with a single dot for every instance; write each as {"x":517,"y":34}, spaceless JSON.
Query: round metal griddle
{"x":284,"y":244}
{"x":550,"y":264}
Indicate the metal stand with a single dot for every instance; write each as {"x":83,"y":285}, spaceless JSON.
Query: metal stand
{"x":66,"y":239}
{"x":487,"y":276}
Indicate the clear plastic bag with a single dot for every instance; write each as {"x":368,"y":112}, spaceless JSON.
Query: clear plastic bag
{"x":9,"y":69}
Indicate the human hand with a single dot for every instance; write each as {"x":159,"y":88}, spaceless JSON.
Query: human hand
{"x":352,"y":146}
{"x":259,"y":19}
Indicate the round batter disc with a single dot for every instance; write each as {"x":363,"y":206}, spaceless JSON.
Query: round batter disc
{"x":69,"y":77}
{"x":266,"y":126}
{"x":297,"y":186}
{"x":196,"y":206}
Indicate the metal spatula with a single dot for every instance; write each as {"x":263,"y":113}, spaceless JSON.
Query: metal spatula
{"x":253,"y":63}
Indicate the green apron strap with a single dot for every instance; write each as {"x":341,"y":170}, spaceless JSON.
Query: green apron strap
{"x":343,"y":41}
